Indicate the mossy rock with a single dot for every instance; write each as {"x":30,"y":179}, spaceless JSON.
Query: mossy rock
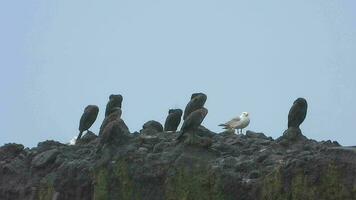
{"x":329,"y":186}
{"x":114,"y":182}
{"x":193,"y":185}
{"x":46,"y":189}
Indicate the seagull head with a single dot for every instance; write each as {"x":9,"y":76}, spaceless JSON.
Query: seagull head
{"x":244,"y":114}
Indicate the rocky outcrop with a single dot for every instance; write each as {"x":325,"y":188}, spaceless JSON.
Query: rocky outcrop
{"x":152,"y":165}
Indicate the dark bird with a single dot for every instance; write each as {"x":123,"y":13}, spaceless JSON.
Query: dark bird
{"x":114,"y":115}
{"x":297,"y":113}
{"x":193,"y":121}
{"x":196,"y":94}
{"x":115,"y":100}
{"x":87,"y":119}
{"x":110,"y":130}
{"x":173,"y":119}
{"x":198,"y":100}
{"x":113,"y":129}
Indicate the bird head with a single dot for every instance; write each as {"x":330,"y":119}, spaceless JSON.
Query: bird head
{"x":244,"y":114}
{"x":115,"y":96}
{"x":301,"y":101}
{"x":197,"y":94}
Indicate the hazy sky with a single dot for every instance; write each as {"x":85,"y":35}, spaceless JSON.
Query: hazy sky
{"x":56,"y":57}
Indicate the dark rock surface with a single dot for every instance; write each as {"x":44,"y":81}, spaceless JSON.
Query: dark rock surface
{"x":154,"y":166}
{"x":151,"y":127}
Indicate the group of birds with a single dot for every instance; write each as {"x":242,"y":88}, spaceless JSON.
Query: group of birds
{"x":193,"y":115}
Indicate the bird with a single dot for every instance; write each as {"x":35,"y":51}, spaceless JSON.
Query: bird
{"x":297,"y":113}
{"x":111,"y":130}
{"x":238,"y":123}
{"x":173,"y":119}
{"x":193,"y":121}
{"x":115,"y":100}
{"x":197,"y":101}
{"x":87,"y":119}
{"x":114,"y":115}
{"x":196,"y":94}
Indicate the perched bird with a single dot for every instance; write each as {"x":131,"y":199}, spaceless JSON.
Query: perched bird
{"x":238,"y":123}
{"x":110,"y":130}
{"x":115,"y":100}
{"x":114,"y":115}
{"x":113,"y":132}
{"x":193,"y":121}
{"x":87,"y":119}
{"x":297,"y":113}
{"x":196,"y":94}
{"x":173,"y":119}
{"x":198,"y":100}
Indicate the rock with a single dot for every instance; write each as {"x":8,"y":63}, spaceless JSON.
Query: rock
{"x":330,"y":143}
{"x":152,"y":127}
{"x":149,"y":139}
{"x":135,"y":134}
{"x":142,"y":150}
{"x":48,"y":144}
{"x":154,"y":166}
{"x":44,"y":158}
{"x":87,"y":138}
{"x":204,"y":132}
{"x":252,"y":134}
{"x":254,"y":174}
{"x":10,"y":150}
{"x":291,"y":136}
{"x":162,"y":146}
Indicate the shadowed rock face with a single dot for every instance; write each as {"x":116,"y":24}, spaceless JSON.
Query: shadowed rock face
{"x":153,"y":166}
{"x":153,"y":125}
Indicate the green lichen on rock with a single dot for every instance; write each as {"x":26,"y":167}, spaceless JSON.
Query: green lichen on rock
{"x":101,"y":184}
{"x":301,"y":186}
{"x":272,"y":187}
{"x":332,"y":186}
{"x":124,"y":182}
{"x":46,"y":189}
{"x":301,"y":189}
{"x":114,"y":182}
{"x":193,"y":185}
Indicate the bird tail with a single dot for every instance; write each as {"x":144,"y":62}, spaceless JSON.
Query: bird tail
{"x":79,"y":136}
{"x":224,"y":126}
{"x":180,"y":137}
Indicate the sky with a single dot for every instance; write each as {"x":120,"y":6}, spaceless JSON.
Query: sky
{"x":56,"y":57}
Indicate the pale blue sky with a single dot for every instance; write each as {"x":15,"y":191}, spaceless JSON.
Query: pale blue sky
{"x":56,"y":57}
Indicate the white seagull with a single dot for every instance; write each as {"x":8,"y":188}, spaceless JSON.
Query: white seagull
{"x":237,"y":122}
